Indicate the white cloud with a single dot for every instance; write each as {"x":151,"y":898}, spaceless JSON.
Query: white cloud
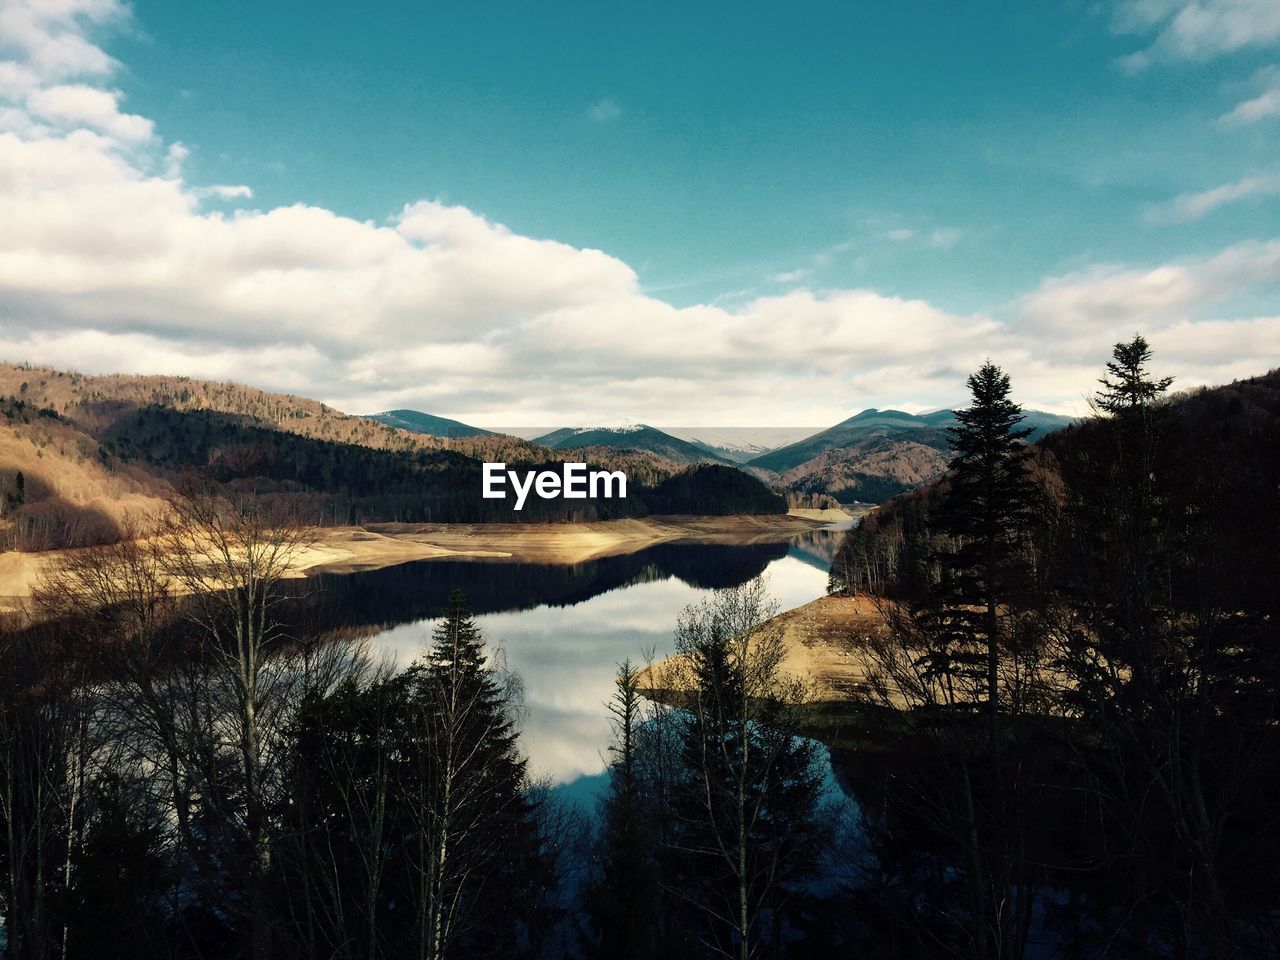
{"x":1106,"y":295}
{"x":1196,"y":30}
{"x":1176,"y":305}
{"x":71,"y":105}
{"x":900,"y":234}
{"x":111,"y":260}
{"x":1193,"y":206}
{"x":48,"y":39}
{"x":224,"y":191}
{"x":1264,"y":106}
{"x":604,"y":110}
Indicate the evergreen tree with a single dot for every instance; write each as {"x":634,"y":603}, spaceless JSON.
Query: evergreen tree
{"x":953,"y":650}
{"x":417,"y":832}
{"x":1129,"y":387}
{"x":1171,"y":665}
{"x":622,"y":899}
{"x":471,"y":816}
{"x":985,"y":511}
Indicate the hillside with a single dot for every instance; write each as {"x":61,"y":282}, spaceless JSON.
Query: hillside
{"x":93,"y":451}
{"x":869,"y":471}
{"x":928,"y":429}
{"x":1232,"y":431}
{"x":637,"y":437}
{"x":417,"y":422}
{"x":866,"y":424}
{"x":874,"y":455}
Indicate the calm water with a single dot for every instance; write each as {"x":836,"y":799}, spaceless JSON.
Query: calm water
{"x":564,"y":629}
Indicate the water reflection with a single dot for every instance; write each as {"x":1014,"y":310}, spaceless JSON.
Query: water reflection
{"x":563,"y":629}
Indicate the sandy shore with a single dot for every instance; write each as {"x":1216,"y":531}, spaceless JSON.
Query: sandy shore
{"x":829,"y":515}
{"x":350,"y":549}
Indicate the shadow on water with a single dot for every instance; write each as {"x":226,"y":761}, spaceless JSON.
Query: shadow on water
{"x":417,"y":591}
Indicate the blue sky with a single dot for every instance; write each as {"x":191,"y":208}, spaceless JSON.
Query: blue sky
{"x":1025,"y":180}
{"x":712,"y":145}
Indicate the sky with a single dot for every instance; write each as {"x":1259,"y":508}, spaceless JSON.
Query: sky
{"x":734,"y":214}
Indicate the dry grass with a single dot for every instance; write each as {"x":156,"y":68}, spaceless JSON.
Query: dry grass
{"x":823,"y":644}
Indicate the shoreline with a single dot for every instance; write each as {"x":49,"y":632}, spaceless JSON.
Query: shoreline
{"x":569,"y":543}
{"x":350,"y":549}
{"x":821,"y":646}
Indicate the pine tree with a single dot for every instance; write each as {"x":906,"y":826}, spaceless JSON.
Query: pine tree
{"x":968,"y":656}
{"x":622,"y":898}
{"x":471,"y":813}
{"x":1129,"y":387}
{"x":985,"y":511}
{"x":1167,"y":659}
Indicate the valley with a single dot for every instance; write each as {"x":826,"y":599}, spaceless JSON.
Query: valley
{"x":84,"y":457}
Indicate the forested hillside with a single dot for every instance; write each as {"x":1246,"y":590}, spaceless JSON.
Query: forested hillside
{"x":79,"y":454}
{"x":640,"y":437}
{"x":417,"y":422}
{"x":875,"y":454}
{"x":1080,"y":652}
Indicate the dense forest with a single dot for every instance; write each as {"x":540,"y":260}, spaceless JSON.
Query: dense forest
{"x":1065,"y":745}
{"x":1078,"y":680}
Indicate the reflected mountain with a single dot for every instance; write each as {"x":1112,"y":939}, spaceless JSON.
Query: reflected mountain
{"x":410,"y":592}
{"x":818,"y":548}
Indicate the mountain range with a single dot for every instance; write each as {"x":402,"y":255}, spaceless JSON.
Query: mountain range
{"x":94,"y":450}
{"x":83,"y":456}
{"x":874,"y":455}
{"x":740,"y":444}
{"x":871,"y":456}
{"x":735,"y":444}
{"x":638,"y":436}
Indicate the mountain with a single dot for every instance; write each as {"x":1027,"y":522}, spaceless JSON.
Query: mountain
{"x":849,"y":432}
{"x":875,"y":454}
{"x":525,"y":433}
{"x":417,"y":422}
{"x":83,"y":456}
{"x":869,"y":471}
{"x":739,"y":444}
{"x":638,"y":436}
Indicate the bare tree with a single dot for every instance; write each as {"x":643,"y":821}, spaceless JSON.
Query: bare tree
{"x":748,"y":805}
{"x":231,"y":560}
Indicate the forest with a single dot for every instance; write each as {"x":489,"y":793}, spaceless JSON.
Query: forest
{"x":1065,"y":743}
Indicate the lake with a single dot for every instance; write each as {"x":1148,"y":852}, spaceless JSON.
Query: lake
{"x":564,"y":629}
